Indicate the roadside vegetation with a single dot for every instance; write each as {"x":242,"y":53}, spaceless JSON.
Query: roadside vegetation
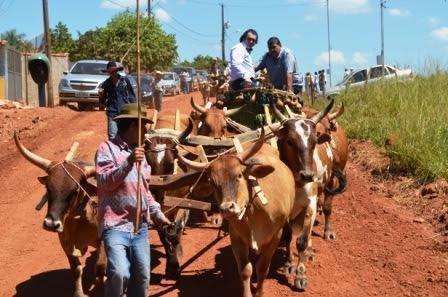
{"x":408,"y":119}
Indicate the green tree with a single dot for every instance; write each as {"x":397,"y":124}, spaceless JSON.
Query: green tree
{"x":61,"y":39}
{"x":117,"y":41}
{"x":15,"y":40}
{"x":200,"y":62}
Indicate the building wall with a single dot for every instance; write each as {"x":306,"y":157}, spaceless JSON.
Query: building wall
{"x":59,"y":64}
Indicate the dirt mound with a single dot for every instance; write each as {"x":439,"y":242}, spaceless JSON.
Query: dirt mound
{"x":429,"y":201}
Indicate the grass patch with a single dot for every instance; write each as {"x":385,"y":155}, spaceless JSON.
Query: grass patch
{"x":412,"y":116}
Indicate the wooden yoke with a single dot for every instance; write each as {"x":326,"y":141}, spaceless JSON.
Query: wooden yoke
{"x":154,"y":119}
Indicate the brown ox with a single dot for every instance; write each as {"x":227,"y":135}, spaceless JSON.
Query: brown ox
{"x":213,"y":120}
{"x":252,"y":225}
{"x":70,"y":213}
{"x":310,"y":157}
{"x":329,"y":129}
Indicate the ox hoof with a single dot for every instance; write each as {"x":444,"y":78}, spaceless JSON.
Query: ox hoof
{"x":330,"y":235}
{"x":311,"y":254}
{"x":300,"y":283}
{"x":289,"y":269}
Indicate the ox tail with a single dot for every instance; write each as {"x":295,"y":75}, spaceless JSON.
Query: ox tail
{"x":342,"y":181}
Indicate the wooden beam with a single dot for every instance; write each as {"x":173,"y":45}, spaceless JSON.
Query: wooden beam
{"x":170,"y":201}
{"x":154,"y":119}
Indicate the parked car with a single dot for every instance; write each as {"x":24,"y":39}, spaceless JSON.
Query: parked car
{"x":359,"y":78}
{"x":202,"y":75}
{"x":145,"y":85}
{"x":81,"y":83}
{"x":192,"y":74}
{"x":171,"y":83}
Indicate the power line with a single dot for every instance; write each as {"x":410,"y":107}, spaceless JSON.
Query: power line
{"x":187,"y":28}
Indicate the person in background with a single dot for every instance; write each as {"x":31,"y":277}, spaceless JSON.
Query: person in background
{"x":157,"y":90}
{"x":215,"y":69}
{"x":315,"y":81}
{"x":242,"y":72}
{"x":322,"y":81}
{"x":184,"y":77}
{"x":113,"y":93}
{"x":128,"y":256}
{"x":281,"y":66}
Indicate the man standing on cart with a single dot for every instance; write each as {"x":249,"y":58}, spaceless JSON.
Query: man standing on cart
{"x":242,"y":72}
{"x":281,"y":65}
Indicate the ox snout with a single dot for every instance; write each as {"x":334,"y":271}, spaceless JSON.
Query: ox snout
{"x":53,"y":225}
{"x":229,"y":209}
{"x":306,"y":176}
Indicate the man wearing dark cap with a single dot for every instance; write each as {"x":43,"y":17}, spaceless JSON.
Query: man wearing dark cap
{"x":113,"y":94}
{"x":128,"y":257}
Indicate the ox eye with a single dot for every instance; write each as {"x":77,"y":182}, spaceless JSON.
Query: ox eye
{"x":240,"y":175}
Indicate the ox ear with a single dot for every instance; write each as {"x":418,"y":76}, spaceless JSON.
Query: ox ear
{"x":324,"y":137}
{"x":258,"y":169}
{"x":42,"y":179}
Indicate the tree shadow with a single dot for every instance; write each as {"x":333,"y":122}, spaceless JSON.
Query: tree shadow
{"x":59,"y":283}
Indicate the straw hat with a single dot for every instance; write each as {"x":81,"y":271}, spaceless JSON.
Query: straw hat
{"x":130,"y":111}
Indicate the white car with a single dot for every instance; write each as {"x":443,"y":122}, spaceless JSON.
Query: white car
{"x":171,"y":83}
{"x":359,"y":78}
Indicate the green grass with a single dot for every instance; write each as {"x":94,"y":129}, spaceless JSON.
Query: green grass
{"x":413,"y":113}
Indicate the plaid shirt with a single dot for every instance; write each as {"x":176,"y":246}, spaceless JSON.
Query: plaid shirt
{"x":117,"y":188}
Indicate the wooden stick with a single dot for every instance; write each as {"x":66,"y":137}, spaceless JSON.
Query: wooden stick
{"x":139,"y":103}
{"x":269,"y":122}
{"x":177,"y":120}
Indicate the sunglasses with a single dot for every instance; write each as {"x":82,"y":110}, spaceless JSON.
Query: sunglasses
{"x":251,"y":39}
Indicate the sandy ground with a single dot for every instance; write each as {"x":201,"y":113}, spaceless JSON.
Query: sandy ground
{"x":382,"y":249}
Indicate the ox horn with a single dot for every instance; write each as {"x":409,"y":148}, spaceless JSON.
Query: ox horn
{"x":245,"y":155}
{"x":318,"y":117}
{"x":89,"y":171}
{"x":278,"y":115}
{"x":198,"y":108}
{"x":198,"y":166}
{"x":40,"y":162}
{"x":186,"y":132}
{"x":337,"y":113}
{"x":233,"y":111}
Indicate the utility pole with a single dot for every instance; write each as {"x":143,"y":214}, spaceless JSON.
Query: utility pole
{"x":149,"y":8}
{"x":382,"y":37}
{"x":50,"y":98}
{"x":329,"y":46}
{"x":223,"y":32}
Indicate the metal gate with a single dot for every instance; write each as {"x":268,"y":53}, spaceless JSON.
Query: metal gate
{"x":14,"y":74}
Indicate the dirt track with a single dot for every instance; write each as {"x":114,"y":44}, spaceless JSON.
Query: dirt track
{"x":381,"y":248}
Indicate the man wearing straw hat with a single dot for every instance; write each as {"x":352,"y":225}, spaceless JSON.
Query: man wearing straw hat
{"x":157,"y":93}
{"x":128,"y":266}
{"x":113,"y":93}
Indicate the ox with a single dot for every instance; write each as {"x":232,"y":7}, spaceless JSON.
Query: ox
{"x":70,"y":212}
{"x":253,"y":225}
{"x":213,"y":120}
{"x":310,"y":157}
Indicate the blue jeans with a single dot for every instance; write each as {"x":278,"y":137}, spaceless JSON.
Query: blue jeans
{"x":128,"y":262}
{"x":112,"y":128}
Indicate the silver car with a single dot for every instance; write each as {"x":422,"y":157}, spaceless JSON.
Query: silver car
{"x":171,"y":83}
{"x":81,"y":83}
{"x":359,"y":78}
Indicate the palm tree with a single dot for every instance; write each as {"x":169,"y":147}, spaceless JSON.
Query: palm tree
{"x":15,"y":40}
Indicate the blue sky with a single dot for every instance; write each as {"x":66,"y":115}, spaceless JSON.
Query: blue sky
{"x":416,"y":31}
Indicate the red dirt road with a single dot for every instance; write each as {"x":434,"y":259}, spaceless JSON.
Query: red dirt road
{"x":381,"y":249}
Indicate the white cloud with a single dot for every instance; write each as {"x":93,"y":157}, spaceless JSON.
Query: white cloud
{"x":399,"y":12}
{"x":311,"y":18}
{"x":360,"y":58}
{"x":440,"y":33}
{"x":162,"y":15}
{"x":337,"y":57}
{"x":348,"y":6}
{"x":433,"y":22}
